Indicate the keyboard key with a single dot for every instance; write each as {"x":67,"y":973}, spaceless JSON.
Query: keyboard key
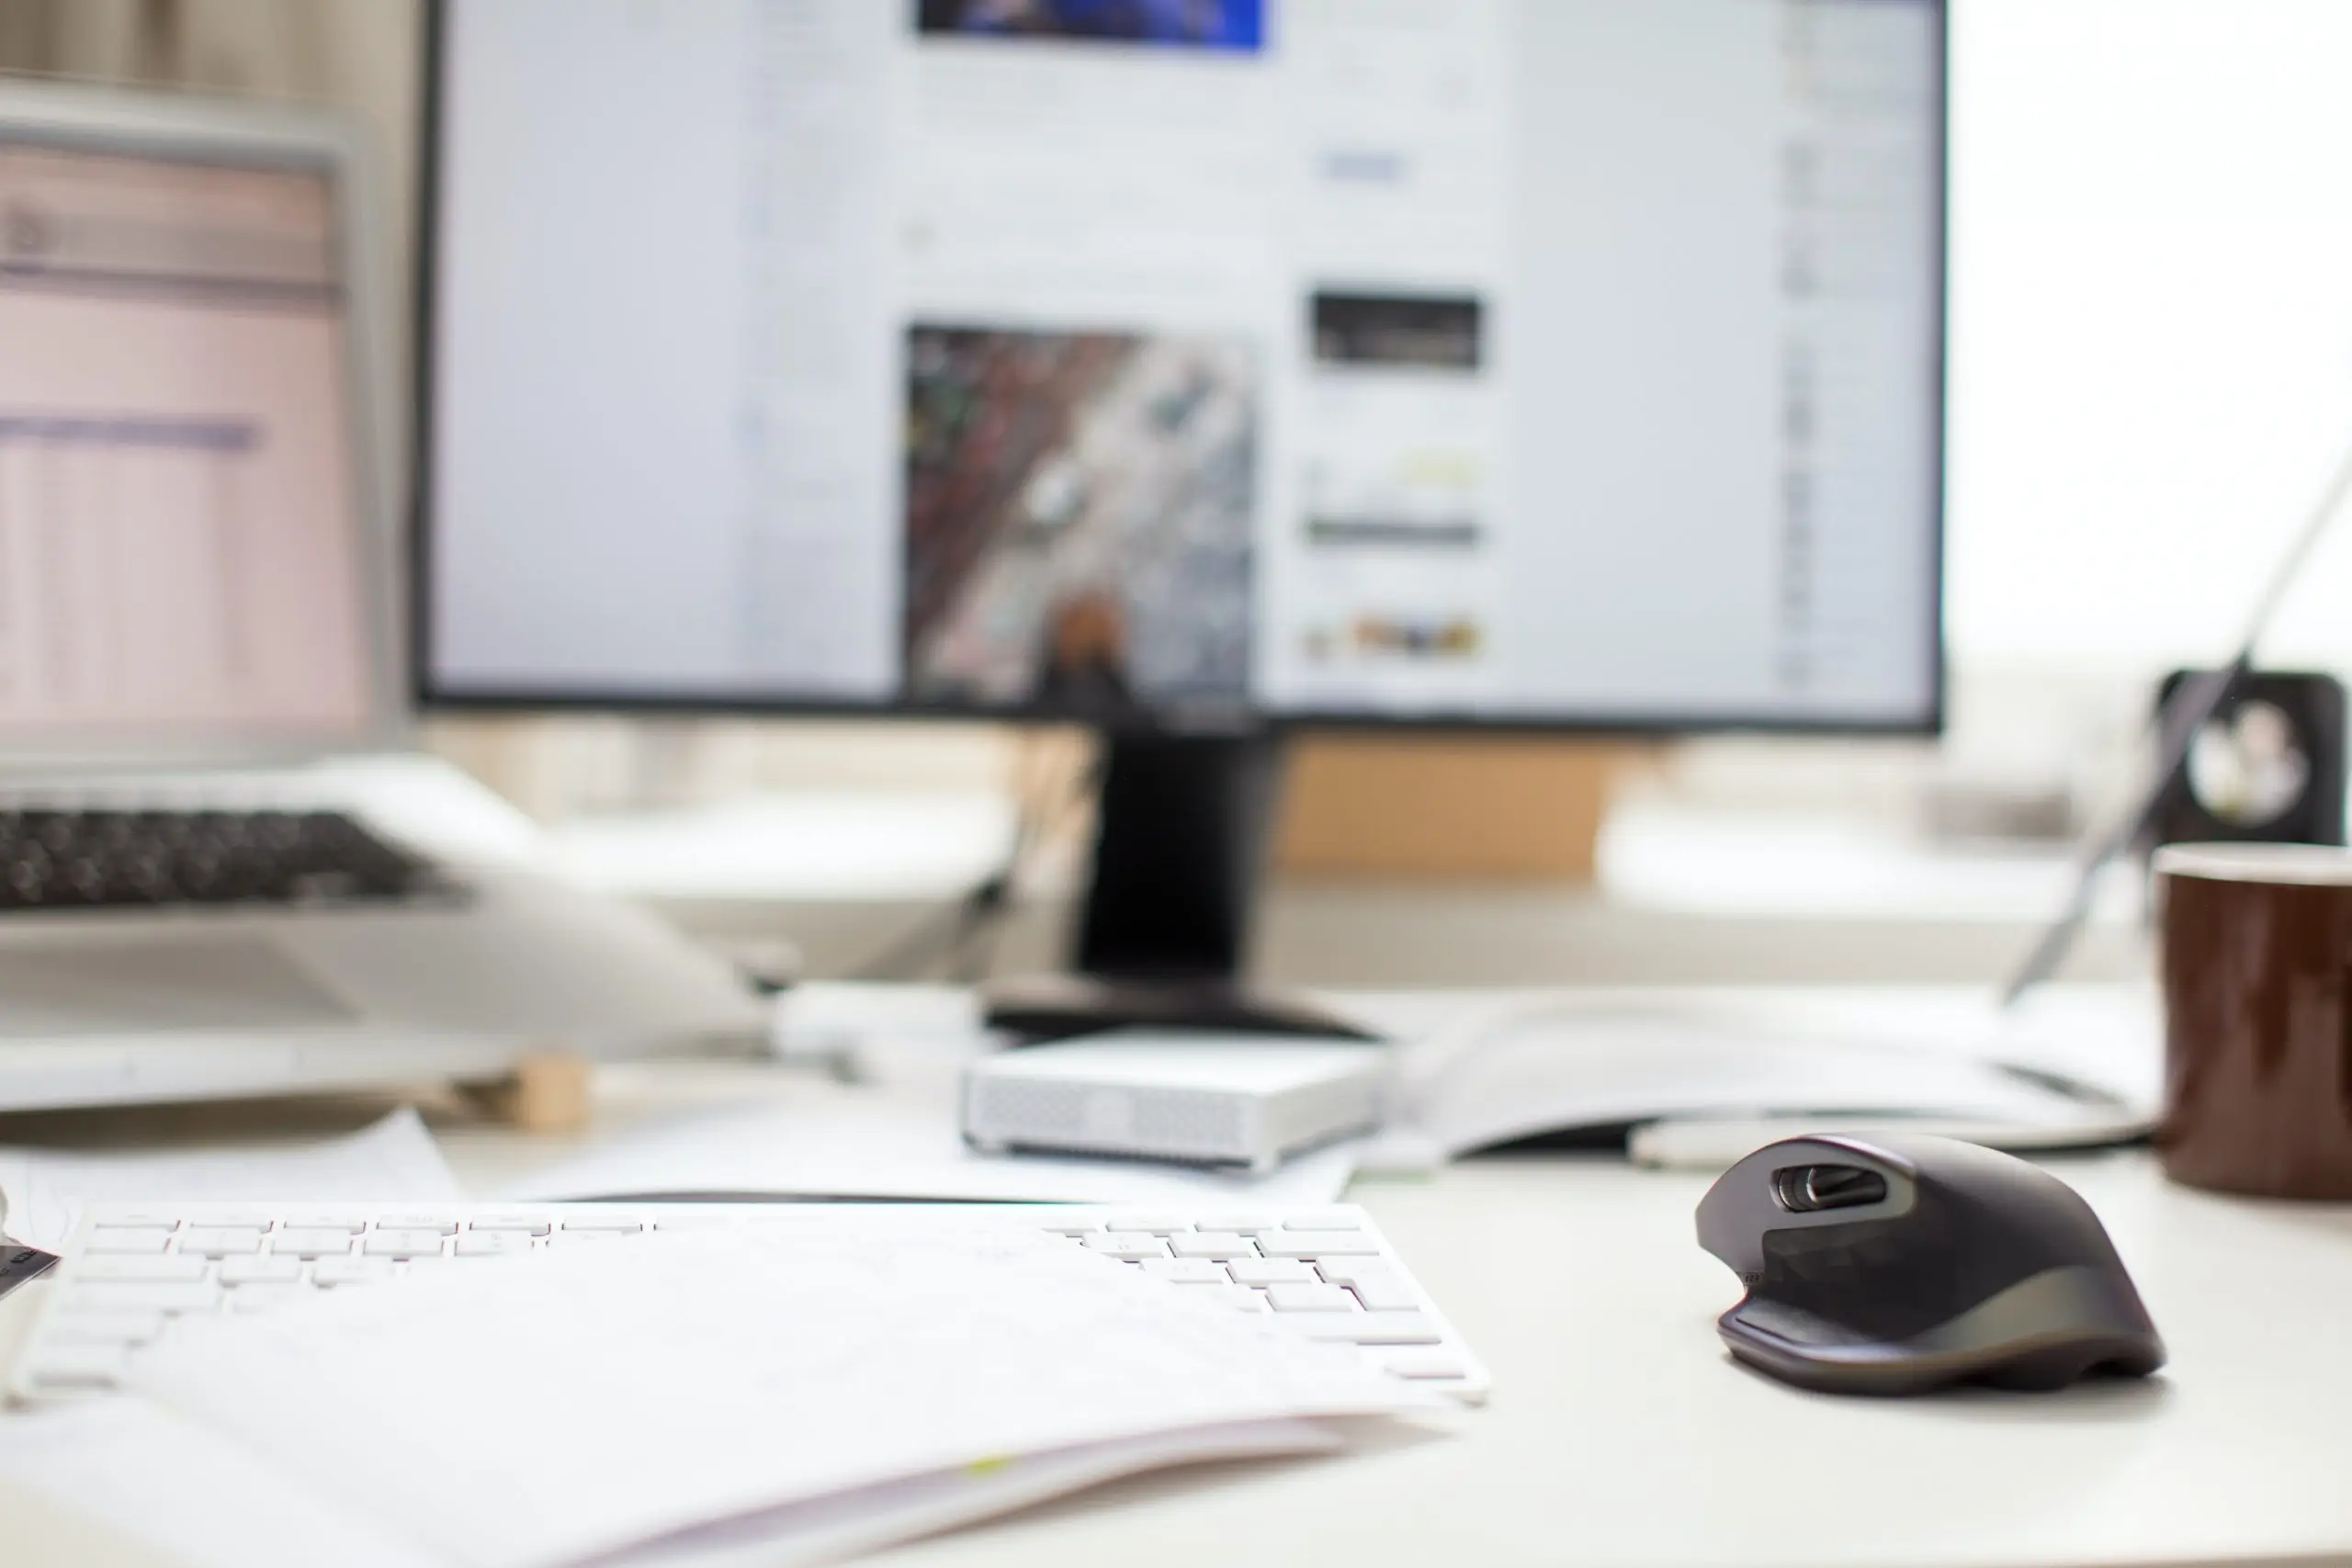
{"x":1372,"y":1327}
{"x":128,"y":1238}
{"x":1245,"y":1223}
{"x":1309,"y":1298}
{"x":610,"y":1225}
{"x":1386,"y":1295}
{"x":349,"y":1222}
{"x":1266,"y":1271}
{"x":1425,"y":1364}
{"x":1219,"y":1245}
{"x":569,"y":1238}
{"x":522,"y":1225}
{"x":1131,"y":1246}
{"x":1187,"y":1270}
{"x":311,"y":1243}
{"x":220,"y":1241}
{"x":275,"y":1268}
{"x":1348,"y":1270}
{"x":1318,"y":1244}
{"x":129,"y":1295}
{"x":257,"y":1216}
{"x":1080,"y":1228}
{"x":1151,"y":1225}
{"x":339,"y":1271}
{"x":1376,"y":1285}
{"x":77,"y":1368}
{"x":157,"y":1268}
{"x":402,"y":1243}
{"x":494,"y":1244}
{"x":439,"y":1224}
{"x":1340,"y":1220}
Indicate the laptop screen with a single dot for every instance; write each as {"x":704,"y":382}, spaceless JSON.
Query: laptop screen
{"x":179,"y":559}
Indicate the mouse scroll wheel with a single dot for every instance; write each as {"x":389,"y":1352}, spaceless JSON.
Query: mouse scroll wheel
{"x":1804,"y":1189}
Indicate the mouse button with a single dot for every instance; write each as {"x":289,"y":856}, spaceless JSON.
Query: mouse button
{"x":1872,"y":1276}
{"x":1793,"y":1324}
{"x":2028,"y":1226}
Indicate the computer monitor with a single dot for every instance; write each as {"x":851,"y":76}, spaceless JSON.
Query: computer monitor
{"x":1187,"y":368}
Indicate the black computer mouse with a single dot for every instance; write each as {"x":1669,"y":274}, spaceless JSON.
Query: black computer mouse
{"x":1895,"y":1265}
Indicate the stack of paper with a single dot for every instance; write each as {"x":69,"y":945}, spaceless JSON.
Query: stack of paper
{"x":688,"y":1398}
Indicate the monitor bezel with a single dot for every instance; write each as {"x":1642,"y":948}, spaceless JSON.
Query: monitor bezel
{"x":432,"y":695}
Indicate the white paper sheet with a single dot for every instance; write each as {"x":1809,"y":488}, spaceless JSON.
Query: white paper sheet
{"x":395,"y":1160}
{"x":149,"y":1477}
{"x":136,"y":1471}
{"x":861,"y":1143}
{"x":536,"y":1411}
{"x":874,"y":1517}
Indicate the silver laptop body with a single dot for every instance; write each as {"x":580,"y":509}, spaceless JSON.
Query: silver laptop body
{"x":200,"y":613}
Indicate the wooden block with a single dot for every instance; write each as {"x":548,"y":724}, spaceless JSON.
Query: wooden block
{"x":548,"y":1092}
{"x":1480,"y":809}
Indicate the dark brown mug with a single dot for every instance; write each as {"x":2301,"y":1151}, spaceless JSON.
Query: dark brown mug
{"x":2257,"y":979}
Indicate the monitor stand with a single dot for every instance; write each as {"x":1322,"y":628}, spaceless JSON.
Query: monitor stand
{"x":1164,"y":933}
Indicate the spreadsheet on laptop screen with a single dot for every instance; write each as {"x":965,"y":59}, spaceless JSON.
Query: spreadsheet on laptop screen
{"x":178,"y":547}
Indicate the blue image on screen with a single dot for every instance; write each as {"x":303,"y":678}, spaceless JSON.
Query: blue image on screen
{"x":1195,"y":24}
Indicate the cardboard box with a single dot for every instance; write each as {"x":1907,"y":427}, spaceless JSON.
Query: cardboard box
{"x":1476,"y":808}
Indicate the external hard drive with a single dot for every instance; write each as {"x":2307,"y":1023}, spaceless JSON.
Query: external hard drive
{"x":1205,"y":1099}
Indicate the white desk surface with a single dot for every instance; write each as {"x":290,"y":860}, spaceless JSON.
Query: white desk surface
{"x":1620,"y":1433}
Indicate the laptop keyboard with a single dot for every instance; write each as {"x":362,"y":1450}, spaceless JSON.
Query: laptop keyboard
{"x":99,"y":859}
{"x":133,"y":1270}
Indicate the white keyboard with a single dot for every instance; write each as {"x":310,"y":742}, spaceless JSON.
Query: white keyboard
{"x":131,"y":1270}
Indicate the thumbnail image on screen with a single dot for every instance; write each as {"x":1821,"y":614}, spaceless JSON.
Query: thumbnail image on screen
{"x":1398,"y":330}
{"x":1078,"y":518}
{"x":1198,"y":24}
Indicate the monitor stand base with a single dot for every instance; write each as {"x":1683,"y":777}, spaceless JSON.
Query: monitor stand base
{"x":1057,"y":1006}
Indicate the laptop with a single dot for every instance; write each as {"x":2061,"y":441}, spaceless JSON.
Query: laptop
{"x":224,"y":866}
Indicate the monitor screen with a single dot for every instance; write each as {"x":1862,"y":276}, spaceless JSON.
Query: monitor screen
{"x":1549,"y":362}
{"x":179,"y":539}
